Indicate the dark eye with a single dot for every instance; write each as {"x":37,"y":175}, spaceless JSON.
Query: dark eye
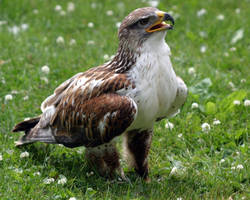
{"x":143,"y":22}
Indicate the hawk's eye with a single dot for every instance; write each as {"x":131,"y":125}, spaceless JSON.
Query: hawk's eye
{"x":143,"y":22}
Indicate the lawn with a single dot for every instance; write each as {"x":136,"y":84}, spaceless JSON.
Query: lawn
{"x":189,"y":159}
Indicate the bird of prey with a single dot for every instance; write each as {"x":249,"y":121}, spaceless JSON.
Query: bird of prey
{"x":124,"y":96}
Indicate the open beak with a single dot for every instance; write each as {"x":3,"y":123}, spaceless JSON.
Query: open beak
{"x":161,"y":24}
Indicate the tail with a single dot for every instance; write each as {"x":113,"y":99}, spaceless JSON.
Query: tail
{"x":33,"y":132}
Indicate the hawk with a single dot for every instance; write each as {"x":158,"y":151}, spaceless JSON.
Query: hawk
{"x":124,"y":96}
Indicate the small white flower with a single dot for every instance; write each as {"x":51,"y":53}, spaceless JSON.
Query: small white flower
{"x":153,"y":3}
{"x":106,"y":57}
{"x":180,"y":135}
{"x":91,"y":42}
{"x":236,"y":102}
{"x":237,"y":36}
{"x":239,"y":166}
{"x":169,"y":125}
{"x":8,"y":97}
{"x":24,"y":27}
{"x":93,"y":5}
{"x":222,"y":160}
{"x":247,"y":102}
{"x":59,"y":40}
{"x":14,"y":92}
{"x":26,"y":98}
{"x":201,"y":12}
{"x":45,"y":69}
{"x":35,"y":11}
{"x":179,"y":198}
{"x":72,"y":198}
{"x":71,"y":7}
{"x":1,"y":157}
{"x":231,"y":84}
{"x":90,"y":24}
{"x":203,"y":34}
{"x":191,"y":70}
{"x":90,"y":174}
{"x":226,"y":54}
{"x":62,"y":180}
{"x":62,"y":13}
{"x":19,"y":171}
{"x":243,"y":80}
{"x":205,"y":127}
{"x":58,"y":8}
{"x":37,"y":174}
{"x":216,"y":122}
{"x":118,"y":24}
{"x":109,"y":12}
{"x":14,"y":30}
{"x":3,"y":22}
{"x":237,"y":11}
{"x":48,"y":180}
{"x":194,"y":105}
{"x":44,"y":79}
{"x":203,"y":49}
{"x":220,"y":17}
{"x":72,"y":42}
{"x":233,"y":167}
{"x":24,"y":154}
{"x":233,"y":49}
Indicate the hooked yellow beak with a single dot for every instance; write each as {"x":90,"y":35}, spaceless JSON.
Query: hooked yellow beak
{"x":160,"y":24}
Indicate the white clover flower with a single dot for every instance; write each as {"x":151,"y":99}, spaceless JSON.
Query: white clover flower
{"x":203,"y":34}
{"x":58,"y":8}
{"x":236,"y":102}
{"x":72,"y":198}
{"x":180,"y":135}
{"x":203,"y":49}
{"x":226,"y":54}
{"x":179,"y":198}
{"x":233,"y":49}
{"x":220,"y":17}
{"x":48,"y":180}
{"x":231,"y":84}
{"x":1,"y":157}
{"x":205,"y":127}
{"x":233,"y":167}
{"x":24,"y":27}
{"x":237,"y":10}
{"x":37,"y":174}
{"x":118,"y":24}
{"x":239,"y":166}
{"x":72,"y":42}
{"x":35,"y":11}
{"x":106,"y":57}
{"x":14,"y":92}
{"x":62,"y":180}
{"x":14,"y":30}
{"x":26,"y":98}
{"x":90,"y":24}
{"x":201,"y":12}
{"x":109,"y":12}
{"x":93,"y":5}
{"x":191,"y":70}
{"x":24,"y":154}
{"x":19,"y":171}
{"x":243,"y":80}
{"x":60,"y":40}
{"x":247,"y":102}
{"x":71,"y":7}
{"x":169,"y":125}
{"x":62,"y":13}
{"x":44,"y":79}
{"x":237,"y":36}
{"x":194,"y":105}
{"x":222,"y":160}
{"x":45,"y":69}
{"x":216,"y":122}
{"x":8,"y":97}
{"x":153,"y":3}
{"x":91,"y":42}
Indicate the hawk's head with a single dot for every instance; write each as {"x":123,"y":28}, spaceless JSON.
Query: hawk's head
{"x":143,"y":23}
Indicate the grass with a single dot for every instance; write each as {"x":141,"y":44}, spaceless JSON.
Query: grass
{"x":205,"y":161}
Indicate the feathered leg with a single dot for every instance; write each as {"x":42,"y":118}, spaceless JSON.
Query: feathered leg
{"x":105,"y":159}
{"x":136,"y":146}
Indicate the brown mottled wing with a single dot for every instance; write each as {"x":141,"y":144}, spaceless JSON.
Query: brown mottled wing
{"x":94,"y":122}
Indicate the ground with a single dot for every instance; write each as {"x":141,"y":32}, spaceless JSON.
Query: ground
{"x":193,"y":160}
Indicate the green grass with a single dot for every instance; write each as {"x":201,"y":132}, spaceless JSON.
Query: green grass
{"x":198,"y":155}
